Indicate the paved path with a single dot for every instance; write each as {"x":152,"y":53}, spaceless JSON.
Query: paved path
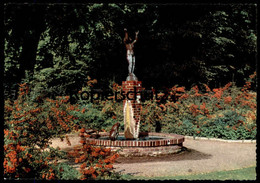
{"x":202,"y":156}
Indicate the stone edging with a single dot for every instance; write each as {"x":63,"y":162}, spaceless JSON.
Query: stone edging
{"x":170,"y":139}
{"x":220,"y":140}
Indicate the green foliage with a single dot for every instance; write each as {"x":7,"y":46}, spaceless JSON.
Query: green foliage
{"x":99,"y":113}
{"x":90,"y":116}
{"x":67,"y":173}
{"x":221,"y":36}
{"x":38,"y":119}
{"x":61,"y":45}
{"x":239,"y":174}
{"x":227,"y":113}
{"x":225,"y":127}
{"x":151,"y":117}
{"x":30,"y":123}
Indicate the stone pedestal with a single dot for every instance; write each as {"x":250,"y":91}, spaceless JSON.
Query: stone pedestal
{"x":132,"y":108}
{"x":131,"y":77}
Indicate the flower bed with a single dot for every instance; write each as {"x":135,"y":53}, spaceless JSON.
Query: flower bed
{"x":228,"y":112}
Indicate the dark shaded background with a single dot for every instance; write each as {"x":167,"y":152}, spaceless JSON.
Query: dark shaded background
{"x":54,"y":47}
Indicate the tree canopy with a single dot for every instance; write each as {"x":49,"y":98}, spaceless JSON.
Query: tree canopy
{"x":56,"y":46}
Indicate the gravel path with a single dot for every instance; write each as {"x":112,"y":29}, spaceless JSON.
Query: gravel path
{"x":201,"y":156}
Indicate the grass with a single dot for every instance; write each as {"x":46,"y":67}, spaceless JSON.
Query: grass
{"x":239,"y":174}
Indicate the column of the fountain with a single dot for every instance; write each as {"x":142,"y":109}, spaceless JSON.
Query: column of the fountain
{"x":132,"y":108}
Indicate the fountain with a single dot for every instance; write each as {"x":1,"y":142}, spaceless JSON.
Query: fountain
{"x":132,"y":142}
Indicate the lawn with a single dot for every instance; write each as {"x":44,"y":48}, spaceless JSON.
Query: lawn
{"x":239,"y":174}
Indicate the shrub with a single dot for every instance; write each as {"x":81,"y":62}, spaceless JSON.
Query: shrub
{"x":96,"y":162}
{"x":228,"y":112}
{"x":37,"y":121}
{"x":30,"y":123}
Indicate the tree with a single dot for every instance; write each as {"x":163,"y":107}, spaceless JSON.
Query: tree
{"x":58,"y":46}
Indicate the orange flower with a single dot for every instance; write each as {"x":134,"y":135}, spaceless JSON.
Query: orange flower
{"x":163,"y":107}
{"x":6,"y":132}
{"x":194,"y":109}
{"x":227,"y":86}
{"x":82,"y":158}
{"x":87,"y":135}
{"x":184,"y":96}
{"x":209,"y":116}
{"x":83,"y":165}
{"x":94,"y":176}
{"x":82,"y":141}
{"x":51,"y":176}
{"x":76,"y":160}
{"x":116,"y":155}
{"x":253,"y":75}
{"x":218,"y":93}
{"x":180,"y":89}
{"x":195,"y":88}
{"x":91,"y":170}
{"x":100,"y":161}
{"x":94,"y":154}
{"x":219,"y":106}
{"x":203,"y":106}
{"x":98,"y":149}
{"x":107,"y":160}
{"x":27,"y":170}
{"x":98,"y":165}
{"x":109,"y":166}
{"x":83,"y":110}
{"x":248,"y":84}
{"x":227,"y":100}
{"x":207,"y":88}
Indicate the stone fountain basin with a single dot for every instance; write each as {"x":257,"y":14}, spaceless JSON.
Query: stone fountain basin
{"x":155,"y":144}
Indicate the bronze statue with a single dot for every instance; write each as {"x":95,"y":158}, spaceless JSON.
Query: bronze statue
{"x":114,"y":131}
{"x":129,"y":44}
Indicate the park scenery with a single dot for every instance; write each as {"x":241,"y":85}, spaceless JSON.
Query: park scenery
{"x":194,"y":68}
